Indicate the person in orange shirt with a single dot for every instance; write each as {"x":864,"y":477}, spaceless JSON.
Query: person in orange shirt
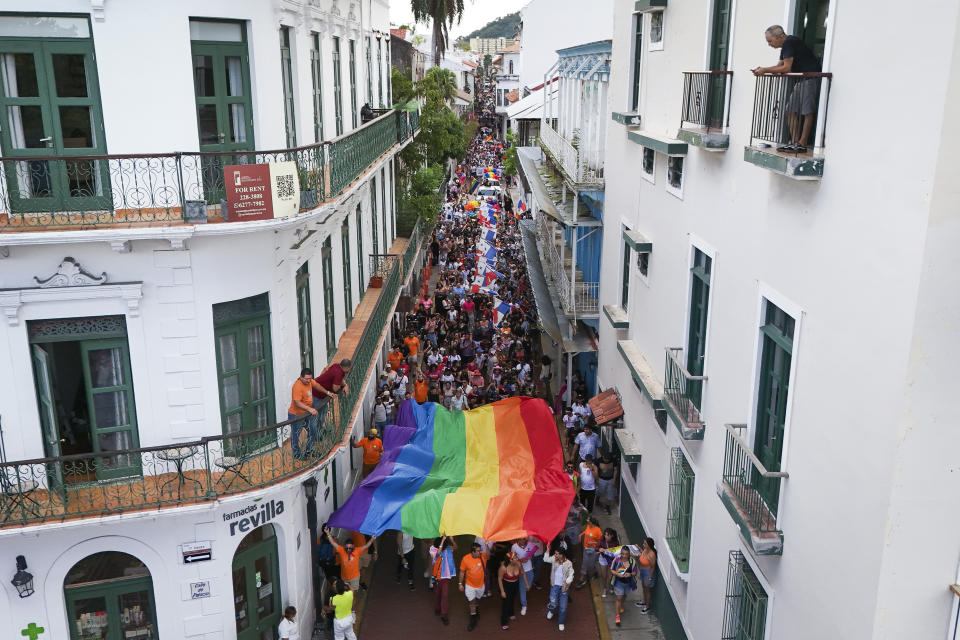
{"x":413,"y":350}
{"x":349,"y":559}
{"x":372,"y":450}
{"x":301,"y":405}
{"x":473,"y":573}
{"x":395,"y":358}
{"x":592,"y":535}
{"x":420,"y":388}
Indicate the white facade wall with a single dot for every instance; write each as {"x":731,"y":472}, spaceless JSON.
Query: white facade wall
{"x":859,"y":260}
{"x":549,"y":25}
{"x":145,"y":79}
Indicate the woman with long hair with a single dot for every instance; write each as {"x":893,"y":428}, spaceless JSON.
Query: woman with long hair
{"x":509,"y":576}
{"x":647,"y":573}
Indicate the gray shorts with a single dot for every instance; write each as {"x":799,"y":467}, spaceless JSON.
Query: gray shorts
{"x":804,"y":96}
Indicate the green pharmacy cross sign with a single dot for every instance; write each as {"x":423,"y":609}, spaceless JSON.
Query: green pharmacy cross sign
{"x":32,"y":631}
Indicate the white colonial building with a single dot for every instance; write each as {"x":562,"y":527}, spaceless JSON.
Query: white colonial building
{"x":782,"y":325}
{"x":162,"y":283}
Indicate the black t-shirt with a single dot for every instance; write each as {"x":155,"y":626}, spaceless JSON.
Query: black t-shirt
{"x":803,"y":59}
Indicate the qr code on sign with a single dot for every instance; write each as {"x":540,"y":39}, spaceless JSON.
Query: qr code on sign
{"x":285,"y":187}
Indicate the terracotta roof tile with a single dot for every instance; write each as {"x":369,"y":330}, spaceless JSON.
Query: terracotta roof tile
{"x":605,"y":406}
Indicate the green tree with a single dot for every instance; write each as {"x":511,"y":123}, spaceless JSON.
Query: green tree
{"x":402,"y":86}
{"x":510,"y":157}
{"x":438,"y":83}
{"x":443,"y":13}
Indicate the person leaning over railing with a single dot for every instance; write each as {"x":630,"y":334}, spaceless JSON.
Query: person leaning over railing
{"x":301,"y":404}
{"x":801,"y":107}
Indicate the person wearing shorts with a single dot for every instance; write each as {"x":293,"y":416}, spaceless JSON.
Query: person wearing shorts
{"x":473,"y":577}
{"x":624,"y":572}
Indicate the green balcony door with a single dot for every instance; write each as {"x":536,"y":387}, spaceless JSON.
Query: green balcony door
{"x":221,"y":84}
{"x":697,"y":331}
{"x":112,"y":412}
{"x":810,"y":24}
{"x":84,"y":388}
{"x":256,"y":585}
{"x":50,"y":98}
{"x":719,"y":55}
{"x":245,"y":366}
{"x":776,"y":355}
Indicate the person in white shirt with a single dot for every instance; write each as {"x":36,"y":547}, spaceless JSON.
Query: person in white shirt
{"x":525,"y":552}
{"x":288,"y":629}
{"x":561,"y":577}
{"x":586,"y":443}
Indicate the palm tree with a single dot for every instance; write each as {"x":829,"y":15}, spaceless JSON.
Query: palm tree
{"x":440,"y":82}
{"x":443,"y":13}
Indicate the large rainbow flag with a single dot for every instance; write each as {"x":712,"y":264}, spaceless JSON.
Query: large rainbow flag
{"x":495,"y":471}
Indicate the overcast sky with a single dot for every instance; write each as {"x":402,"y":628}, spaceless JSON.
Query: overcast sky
{"x":476,"y":14}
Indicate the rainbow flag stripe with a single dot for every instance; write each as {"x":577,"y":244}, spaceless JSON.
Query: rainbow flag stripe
{"x":495,"y":471}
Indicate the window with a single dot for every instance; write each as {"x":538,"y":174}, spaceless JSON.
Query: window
{"x":353,"y":83}
{"x":637,"y":50}
{"x":389,"y":80}
{"x":675,"y":175}
{"x":380,"y":71}
{"x":680,"y":509}
{"x":625,"y":276}
{"x":316,"y":72}
{"x":697,"y":330}
{"x":383,"y":202}
{"x":369,"y":73}
{"x":337,"y":88}
{"x":347,"y":284}
{"x":656,"y":31}
{"x":50,"y":99}
{"x":511,"y":68}
{"x":241,"y":329}
{"x":361,"y":258}
{"x":643,"y":263}
{"x":393,"y":202}
{"x":286,"y":77}
{"x":776,"y":354}
{"x":647,"y":166}
{"x":374,"y":223}
{"x":110,"y":595}
{"x":745,"y":609}
{"x":85,"y":398}
{"x":329,"y":312}
{"x":304,"y":325}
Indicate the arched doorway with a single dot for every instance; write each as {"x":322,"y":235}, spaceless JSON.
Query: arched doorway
{"x":109,"y":596}
{"x":256,"y":585}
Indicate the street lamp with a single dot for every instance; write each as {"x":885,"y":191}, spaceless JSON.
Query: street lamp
{"x":23,"y":579}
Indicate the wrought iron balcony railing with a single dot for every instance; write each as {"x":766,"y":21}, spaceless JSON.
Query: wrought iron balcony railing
{"x":40,"y":193}
{"x":681,"y":393}
{"x":791,"y":107}
{"x":574,"y":163}
{"x":753,"y":489}
{"x":55,"y":489}
{"x":705,"y":99}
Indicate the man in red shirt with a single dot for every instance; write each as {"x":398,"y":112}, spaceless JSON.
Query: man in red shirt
{"x":331,"y":381}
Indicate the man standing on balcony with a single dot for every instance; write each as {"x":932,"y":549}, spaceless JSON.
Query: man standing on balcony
{"x":801,"y":107}
{"x":301,"y":401}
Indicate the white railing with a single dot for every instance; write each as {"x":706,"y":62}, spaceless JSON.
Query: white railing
{"x":574,"y":164}
{"x":578,"y":299}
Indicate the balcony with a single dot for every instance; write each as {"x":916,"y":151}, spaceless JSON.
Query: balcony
{"x":66,"y":488}
{"x":681,"y":396}
{"x":573,"y":163}
{"x":704,"y":117}
{"x":577,"y":298}
{"x":57,"y":193}
{"x":789,"y":108}
{"x":747,"y":490}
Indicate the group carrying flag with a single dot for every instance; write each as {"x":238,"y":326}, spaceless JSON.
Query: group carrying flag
{"x":495,"y":471}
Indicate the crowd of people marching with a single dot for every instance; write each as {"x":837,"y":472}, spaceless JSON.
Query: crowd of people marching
{"x":469,"y":341}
